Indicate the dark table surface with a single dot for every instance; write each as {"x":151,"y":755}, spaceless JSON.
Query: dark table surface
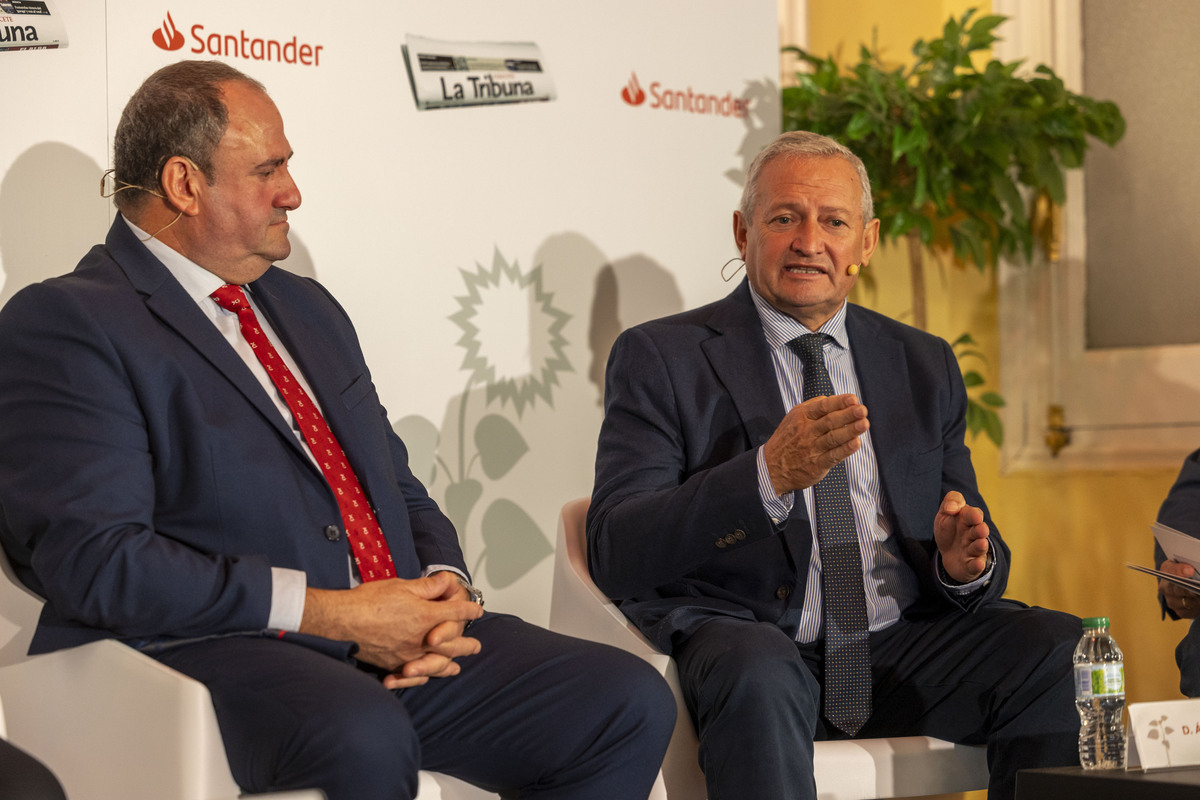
{"x":1068,"y":783}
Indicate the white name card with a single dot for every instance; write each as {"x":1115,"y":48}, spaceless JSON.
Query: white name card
{"x":1164,"y":734}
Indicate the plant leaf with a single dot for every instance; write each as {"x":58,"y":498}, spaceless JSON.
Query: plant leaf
{"x":500,"y":445}
{"x":513,"y":543}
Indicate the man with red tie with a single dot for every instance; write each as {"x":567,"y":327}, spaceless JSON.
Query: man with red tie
{"x":194,"y":460}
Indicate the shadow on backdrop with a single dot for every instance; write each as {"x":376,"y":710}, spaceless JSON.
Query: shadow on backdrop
{"x":625,"y":292}
{"x":629,"y":291}
{"x":51,"y":213}
{"x":762,"y":125}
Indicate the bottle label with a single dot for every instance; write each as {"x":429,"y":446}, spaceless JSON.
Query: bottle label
{"x":1099,"y":680}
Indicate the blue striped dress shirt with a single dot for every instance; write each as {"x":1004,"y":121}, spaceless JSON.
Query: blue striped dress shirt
{"x":890,"y":584}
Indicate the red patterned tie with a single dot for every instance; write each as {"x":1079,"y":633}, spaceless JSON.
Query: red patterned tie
{"x":371,"y":553}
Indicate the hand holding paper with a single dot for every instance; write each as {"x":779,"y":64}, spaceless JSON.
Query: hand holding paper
{"x":1178,"y":581}
{"x":1181,"y":599}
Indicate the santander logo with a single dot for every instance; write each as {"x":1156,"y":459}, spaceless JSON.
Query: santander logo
{"x":687,"y":100}
{"x":632,"y":93}
{"x":251,"y":46}
{"x":168,"y":36}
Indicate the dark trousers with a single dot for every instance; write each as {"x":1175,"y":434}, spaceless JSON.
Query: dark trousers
{"x":1187,"y":656}
{"x":1000,"y":676}
{"x":534,"y":714}
{"x":23,"y":777}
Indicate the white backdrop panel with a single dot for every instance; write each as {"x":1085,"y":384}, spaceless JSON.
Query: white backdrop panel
{"x":561,"y":222}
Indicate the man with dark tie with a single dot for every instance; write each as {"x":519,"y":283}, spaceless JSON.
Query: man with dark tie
{"x":784,"y":502}
{"x":194,"y":460}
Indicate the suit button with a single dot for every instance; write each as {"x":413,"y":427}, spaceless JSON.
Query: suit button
{"x":720,"y":543}
{"x":783,"y":593}
{"x":333,"y":533}
{"x":730,"y":539}
{"x":739,"y":534}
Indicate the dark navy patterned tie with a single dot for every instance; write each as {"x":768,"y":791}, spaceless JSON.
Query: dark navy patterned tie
{"x":847,"y":647}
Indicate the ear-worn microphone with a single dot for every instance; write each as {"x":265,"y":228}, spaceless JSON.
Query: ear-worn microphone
{"x":852,"y":270}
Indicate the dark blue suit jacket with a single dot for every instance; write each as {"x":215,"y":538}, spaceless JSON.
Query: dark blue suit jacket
{"x":147,"y":482}
{"x":688,"y":400}
{"x":1181,"y":511}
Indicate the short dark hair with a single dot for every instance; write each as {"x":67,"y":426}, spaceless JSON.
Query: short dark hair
{"x":177,"y":111}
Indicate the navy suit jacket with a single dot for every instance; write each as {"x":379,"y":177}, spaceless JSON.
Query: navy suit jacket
{"x":148,"y":483}
{"x":1181,"y":511}
{"x":676,"y":530}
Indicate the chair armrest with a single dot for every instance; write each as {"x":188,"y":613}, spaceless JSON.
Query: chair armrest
{"x":112,"y":722}
{"x":578,"y":607}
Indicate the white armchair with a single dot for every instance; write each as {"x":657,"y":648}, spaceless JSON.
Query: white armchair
{"x":845,"y":770}
{"x":114,"y":724}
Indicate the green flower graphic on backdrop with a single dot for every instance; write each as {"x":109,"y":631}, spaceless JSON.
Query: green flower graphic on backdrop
{"x":515,"y":363}
{"x":512,"y":334}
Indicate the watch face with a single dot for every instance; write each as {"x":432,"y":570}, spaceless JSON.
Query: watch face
{"x":476,"y":595}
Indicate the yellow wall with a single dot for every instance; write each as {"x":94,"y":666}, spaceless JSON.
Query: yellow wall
{"x":1071,"y":532}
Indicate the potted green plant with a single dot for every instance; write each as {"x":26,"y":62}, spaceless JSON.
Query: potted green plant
{"x":959,"y":155}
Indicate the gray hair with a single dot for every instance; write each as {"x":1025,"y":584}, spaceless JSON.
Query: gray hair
{"x":177,"y":111}
{"x":805,"y":144}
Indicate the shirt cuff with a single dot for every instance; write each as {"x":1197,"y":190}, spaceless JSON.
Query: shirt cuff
{"x":964,"y":589}
{"x":777,"y":508}
{"x":287,"y":599}
{"x":425,"y":573}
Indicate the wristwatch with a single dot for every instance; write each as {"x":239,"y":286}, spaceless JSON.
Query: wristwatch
{"x":987,"y":567}
{"x":476,"y":595}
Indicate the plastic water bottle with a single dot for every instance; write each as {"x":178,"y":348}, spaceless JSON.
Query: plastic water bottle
{"x":1100,"y":697}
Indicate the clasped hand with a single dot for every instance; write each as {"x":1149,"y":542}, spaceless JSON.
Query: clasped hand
{"x":413,"y":628}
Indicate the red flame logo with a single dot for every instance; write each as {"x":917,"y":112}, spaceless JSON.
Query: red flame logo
{"x":168,"y":36}
{"x":632,"y":93}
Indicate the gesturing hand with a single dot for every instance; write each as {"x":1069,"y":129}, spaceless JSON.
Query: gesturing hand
{"x":813,"y":437}
{"x":962,"y":538}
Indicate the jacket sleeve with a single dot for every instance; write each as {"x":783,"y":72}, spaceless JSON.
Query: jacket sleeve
{"x":78,"y":489}
{"x":958,"y":475}
{"x":664,"y":495}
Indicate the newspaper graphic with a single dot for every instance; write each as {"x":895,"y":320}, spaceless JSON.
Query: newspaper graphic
{"x":446,"y":74}
{"x":31,"y":25}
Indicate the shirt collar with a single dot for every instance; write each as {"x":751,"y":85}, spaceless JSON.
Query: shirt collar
{"x":781,"y":329}
{"x":198,"y":282}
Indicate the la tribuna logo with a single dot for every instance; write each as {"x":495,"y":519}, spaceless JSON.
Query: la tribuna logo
{"x":240,"y":45}
{"x":686,"y":100}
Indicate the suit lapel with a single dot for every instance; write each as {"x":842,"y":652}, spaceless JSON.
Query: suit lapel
{"x":326,"y":370}
{"x":327,"y":367}
{"x":170,"y":303}
{"x":741,"y":359}
{"x":880,"y":363}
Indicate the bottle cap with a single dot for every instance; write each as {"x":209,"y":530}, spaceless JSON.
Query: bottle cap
{"x":1095,"y":622}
